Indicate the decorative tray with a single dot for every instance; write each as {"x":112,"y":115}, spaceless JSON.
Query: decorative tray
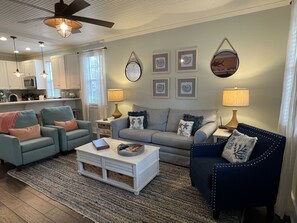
{"x":130,"y":149}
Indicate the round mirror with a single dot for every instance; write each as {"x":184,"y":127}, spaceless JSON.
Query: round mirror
{"x":224,"y":63}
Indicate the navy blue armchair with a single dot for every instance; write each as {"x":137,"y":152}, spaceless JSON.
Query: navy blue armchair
{"x":236,"y":186}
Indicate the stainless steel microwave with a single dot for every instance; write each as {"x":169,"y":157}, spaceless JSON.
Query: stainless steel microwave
{"x":30,"y":82}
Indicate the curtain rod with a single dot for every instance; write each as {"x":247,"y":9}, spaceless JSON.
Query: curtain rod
{"x":90,"y":50}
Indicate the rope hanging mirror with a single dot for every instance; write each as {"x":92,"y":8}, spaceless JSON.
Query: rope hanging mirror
{"x":133,"y":70}
{"x":224,"y":63}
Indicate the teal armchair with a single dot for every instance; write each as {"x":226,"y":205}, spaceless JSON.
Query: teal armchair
{"x":19,"y":152}
{"x":68,"y":140}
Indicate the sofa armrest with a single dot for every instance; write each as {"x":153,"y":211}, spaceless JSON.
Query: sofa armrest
{"x":53,"y":133}
{"x":10,"y":149}
{"x":117,"y":125}
{"x":202,"y":134}
{"x":86,"y":125}
{"x":62,"y":136}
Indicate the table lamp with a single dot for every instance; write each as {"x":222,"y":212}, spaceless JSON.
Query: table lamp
{"x":115,"y":95}
{"x":235,"y":97}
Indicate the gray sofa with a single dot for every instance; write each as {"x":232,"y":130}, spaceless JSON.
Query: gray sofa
{"x":162,"y":131}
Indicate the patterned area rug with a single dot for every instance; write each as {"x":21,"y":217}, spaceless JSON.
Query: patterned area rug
{"x":169,"y":197}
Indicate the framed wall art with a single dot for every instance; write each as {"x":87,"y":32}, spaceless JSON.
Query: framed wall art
{"x":186,"y":60}
{"x":161,"y":62}
{"x":160,"y":88}
{"x":186,"y":88}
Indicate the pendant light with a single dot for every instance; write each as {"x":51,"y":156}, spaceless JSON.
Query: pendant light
{"x":17,"y":72}
{"x":41,"y":44}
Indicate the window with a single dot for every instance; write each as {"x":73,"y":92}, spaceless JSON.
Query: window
{"x":51,"y":91}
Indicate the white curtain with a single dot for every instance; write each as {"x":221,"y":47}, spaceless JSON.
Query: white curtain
{"x":93,"y":89}
{"x":288,"y":121}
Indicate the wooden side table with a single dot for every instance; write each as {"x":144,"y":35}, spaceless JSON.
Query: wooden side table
{"x":221,"y":134}
{"x":104,"y":128}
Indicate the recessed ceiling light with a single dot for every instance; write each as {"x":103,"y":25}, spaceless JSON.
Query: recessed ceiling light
{"x":28,"y":49}
{"x":16,"y":51}
{"x":3,"y":38}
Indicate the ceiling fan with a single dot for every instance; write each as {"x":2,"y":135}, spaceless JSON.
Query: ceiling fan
{"x":64,"y":20}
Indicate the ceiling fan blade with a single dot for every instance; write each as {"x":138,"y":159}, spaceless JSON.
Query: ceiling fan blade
{"x":33,"y":20}
{"x":92,"y":21}
{"x":75,"y":6}
{"x":30,"y":5}
{"x":75,"y":31}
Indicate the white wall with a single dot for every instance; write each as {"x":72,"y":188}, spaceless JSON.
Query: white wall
{"x":260,"y":40}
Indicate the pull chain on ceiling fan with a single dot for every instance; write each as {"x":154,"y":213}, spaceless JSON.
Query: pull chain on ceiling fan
{"x":64,"y":20}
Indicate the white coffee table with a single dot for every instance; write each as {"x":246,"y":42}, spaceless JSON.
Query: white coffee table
{"x":142,"y":168}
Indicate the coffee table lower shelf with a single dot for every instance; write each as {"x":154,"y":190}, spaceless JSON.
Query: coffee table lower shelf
{"x":135,"y":178}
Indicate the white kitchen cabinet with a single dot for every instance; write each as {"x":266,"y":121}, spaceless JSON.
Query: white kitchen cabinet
{"x":3,"y":74}
{"x":34,"y":68}
{"x":65,"y":71}
{"x":72,"y":71}
{"x":14,"y":82}
{"x":58,"y":71}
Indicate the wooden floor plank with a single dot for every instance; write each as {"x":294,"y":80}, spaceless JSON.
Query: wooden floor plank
{"x":8,"y":216}
{"x":31,"y":215}
{"x":57,"y":215}
{"x":9,"y":200}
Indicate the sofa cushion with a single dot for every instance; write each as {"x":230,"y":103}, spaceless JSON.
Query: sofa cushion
{"x":67,"y":125}
{"x":138,"y":113}
{"x":27,"y":133}
{"x":37,"y":143}
{"x":175,"y":115}
{"x":156,"y":118}
{"x":26,"y":118}
{"x":185,"y":128}
{"x":198,"y":120}
{"x":75,"y":134}
{"x":173,"y":140}
{"x":52,"y":114}
{"x":144,"y":135}
{"x":136,"y":122}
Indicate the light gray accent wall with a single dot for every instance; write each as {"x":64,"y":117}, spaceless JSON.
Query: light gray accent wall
{"x":260,"y":40}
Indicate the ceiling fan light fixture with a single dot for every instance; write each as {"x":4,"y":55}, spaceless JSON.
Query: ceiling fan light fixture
{"x":63,"y":26}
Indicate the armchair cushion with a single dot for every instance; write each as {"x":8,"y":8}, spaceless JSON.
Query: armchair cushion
{"x":77,"y":134}
{"x":33,"y":144}
{"x":67,"y":125}
{"x":239,"y":147}
{"x":27,"y":133}
{"x":52,"y":114}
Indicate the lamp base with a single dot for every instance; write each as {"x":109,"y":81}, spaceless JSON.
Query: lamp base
{"x":116,"y":114}
{"x":233,"y":122}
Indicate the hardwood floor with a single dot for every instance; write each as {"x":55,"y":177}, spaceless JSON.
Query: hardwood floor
{"x":19,"y":203}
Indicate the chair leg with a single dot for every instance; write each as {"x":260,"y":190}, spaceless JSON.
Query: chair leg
{"x":2,"y":162}
{"x":216,"y":215}
{"x":270,"y":213}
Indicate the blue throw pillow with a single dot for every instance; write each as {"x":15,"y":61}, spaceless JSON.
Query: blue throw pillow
{"x":197,"y":122}
{"x":136,"y":114}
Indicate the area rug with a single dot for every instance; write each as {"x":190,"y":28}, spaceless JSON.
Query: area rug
{"x":169,"y":197}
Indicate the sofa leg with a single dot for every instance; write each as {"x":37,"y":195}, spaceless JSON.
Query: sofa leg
{"x":216,"y":215}
{"x":56,"y":155}
{"x":2,"y":162}
{"x":270,"y":213}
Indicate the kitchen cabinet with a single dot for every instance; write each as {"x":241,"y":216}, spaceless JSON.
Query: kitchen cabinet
{"x":72,"y":71}
{"x":14,"y":82}
{"x":34,"y":68}
{"x":65,"y":71}
{"x":3,"y":75}
{"x":58,"y":71}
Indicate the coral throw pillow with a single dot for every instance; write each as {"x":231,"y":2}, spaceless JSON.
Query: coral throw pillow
{"x":68,"y":125}
{"x":27,"y":133}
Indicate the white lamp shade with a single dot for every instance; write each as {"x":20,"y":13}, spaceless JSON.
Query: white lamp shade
{"x":115,"y":95}
{"x":236,"y":97}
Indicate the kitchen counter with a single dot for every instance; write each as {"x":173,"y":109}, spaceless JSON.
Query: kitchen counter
{"x":37,"y":105}
{"x":38,"y":101}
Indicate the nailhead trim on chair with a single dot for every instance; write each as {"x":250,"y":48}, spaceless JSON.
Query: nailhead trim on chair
{"x":264,"y":156}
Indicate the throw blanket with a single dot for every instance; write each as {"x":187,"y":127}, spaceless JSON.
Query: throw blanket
{"x":7,"y":120}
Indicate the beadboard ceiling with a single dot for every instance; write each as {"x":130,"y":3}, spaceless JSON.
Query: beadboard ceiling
{"x":131,"y":18}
